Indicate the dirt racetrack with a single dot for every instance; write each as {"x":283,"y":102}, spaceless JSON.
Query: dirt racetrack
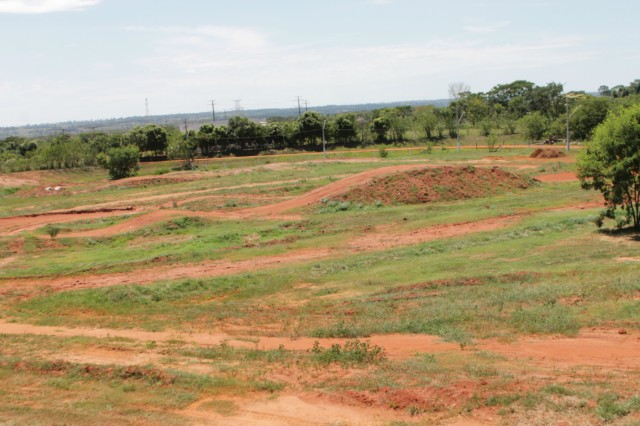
{"x":451,"y":380}
{"x":593,"y":347}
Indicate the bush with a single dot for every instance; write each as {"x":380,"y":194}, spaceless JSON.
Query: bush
{"x":52,"y":230}
{"x":383,"y":153}
{"x":485,"y":127}
{"x":354,"y":352}
{"x":121,"y":162}
{"x":492,"y":143}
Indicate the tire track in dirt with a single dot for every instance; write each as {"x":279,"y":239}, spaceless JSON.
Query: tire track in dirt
{"x":272,"y":211}
{"x":557,"y":177}
{"x":136,"y":198}
{"x":17,"y":224}
{"x":374,"y":241}
{"x":380,"y":239}
{"x":594,"y":347}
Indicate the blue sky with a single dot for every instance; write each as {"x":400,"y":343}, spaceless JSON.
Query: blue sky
{"x":89,"y":59}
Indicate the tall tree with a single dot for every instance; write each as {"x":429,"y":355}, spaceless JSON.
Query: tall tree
{"x":611,"y":165}
{"x":310,"y":126}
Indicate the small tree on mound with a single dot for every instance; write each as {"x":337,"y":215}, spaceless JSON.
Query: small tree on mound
{"x":611,"y":165}
{"x":52,"y":230}
{"x":121,"y":162}
{"x":184,"y":149}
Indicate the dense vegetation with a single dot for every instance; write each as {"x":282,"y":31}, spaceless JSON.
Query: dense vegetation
{"x":521,"y":107}
{"x":611,"y":165}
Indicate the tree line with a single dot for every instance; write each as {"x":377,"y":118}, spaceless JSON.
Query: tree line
{"x":520,"y":107}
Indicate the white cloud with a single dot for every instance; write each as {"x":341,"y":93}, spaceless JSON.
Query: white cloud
{"x":226,"y":37}
{"x":232,"y":64}
{"x":44,"y":6}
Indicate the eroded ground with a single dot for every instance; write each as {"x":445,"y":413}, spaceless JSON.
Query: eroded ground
{"x":268,"y":293}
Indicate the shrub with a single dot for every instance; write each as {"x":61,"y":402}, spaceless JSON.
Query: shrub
{"x":492,"y":143}
{"x":121,"y":162}
{"x":485,"y":127}
{"x":383,"y":153}
{"x":53,"y":231}
{"x":354,"y":352}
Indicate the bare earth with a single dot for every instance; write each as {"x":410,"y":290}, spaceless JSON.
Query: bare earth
{"x":592,"y":348}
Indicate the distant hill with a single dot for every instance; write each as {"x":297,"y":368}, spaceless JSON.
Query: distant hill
{"x":194,"y":120}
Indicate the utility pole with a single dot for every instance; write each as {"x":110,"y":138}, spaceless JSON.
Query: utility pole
{"x":566,"y":103}
{"x":306,"y":105}
{"x":186,"y":129}
{"x":299,"y":109}
{"x":569,"y":115}
{"x":324,"y":143}
{"x":458,"y":131}
{"x":146,"y":108}
{"x":213,"y":110}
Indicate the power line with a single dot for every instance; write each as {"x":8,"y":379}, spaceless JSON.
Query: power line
{"x":237,"y":106}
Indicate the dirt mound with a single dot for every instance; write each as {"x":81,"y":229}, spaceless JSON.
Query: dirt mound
{"x":436,"y":184}
{"x":547,"y":153}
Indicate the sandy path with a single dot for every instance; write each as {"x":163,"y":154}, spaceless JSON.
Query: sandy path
{"x":557,"y":177}
{"x":13,"y":182}
{"x":17,"y":224}
{"x":138,"y":198}
{"x":599,"y":347}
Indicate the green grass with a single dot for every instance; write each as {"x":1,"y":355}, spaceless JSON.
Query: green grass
{"x":548,"y":272}
{"x":394,"y":289}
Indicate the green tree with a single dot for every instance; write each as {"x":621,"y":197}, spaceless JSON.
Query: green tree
{"x":344,"y":128}
{"x":428,"y":122}
{"x":380,"y":126}
{"x":590,"y":113}
{"x":184,"y":149}
{"x":62,"y":152}
{"x":611,"y":165}
{"x":121,"y":162}
{"x":206,"y":139}
{"x":534,"y":125}
{"x":310,"y":126}
{"x":149,"y":138}
{"x":243,"y":133}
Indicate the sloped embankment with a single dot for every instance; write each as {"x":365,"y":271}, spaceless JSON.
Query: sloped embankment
{"x":437,"y":184}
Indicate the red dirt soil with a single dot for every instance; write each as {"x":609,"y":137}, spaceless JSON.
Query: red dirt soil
{"x":594,"y":347}
{"x":437,"y":184}
{"x":15,"y":225}
{"x":557,"y":177}
{"x":383,"y":239}
{"x":547,"y":153}
{"x":13,"y":182}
